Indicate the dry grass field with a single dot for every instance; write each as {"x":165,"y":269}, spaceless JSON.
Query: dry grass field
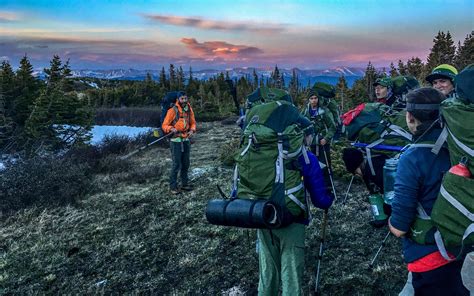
{"x":130,"y":236}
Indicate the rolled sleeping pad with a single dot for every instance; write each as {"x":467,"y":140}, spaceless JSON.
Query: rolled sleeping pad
{"x":246,"y":213}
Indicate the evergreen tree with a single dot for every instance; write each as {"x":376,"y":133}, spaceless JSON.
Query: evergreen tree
{"x":402,"y":69}
{"x":341,"y":91}
{"x":67,"y":84}
{"x":293,"y":84}
{"x":415,"y":67}
{"x":370,"y":77}
{"x":54,"y":72}
{"x":393,"y":70}
{"x":7,"y":84}
{"x":465,"y":52}
{"x":276,"y":78}
{"x":173,"y":82}
{"x":58,"y":120}
{"x":162,"y":81}
{"x":255,"y":79}
{"x":27,"y":90}
{"x":442,"y":52}
{"x":6,"y":124}
{"x":180,"y":79}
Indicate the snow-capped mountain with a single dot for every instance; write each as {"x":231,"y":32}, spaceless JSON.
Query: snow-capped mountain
{"x":304,"y":76}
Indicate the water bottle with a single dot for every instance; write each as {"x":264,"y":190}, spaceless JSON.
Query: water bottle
{"x":376,"y":206}
{"x":461,"y":168}
{"x":389,"y":173}
{"x":467,"y":272}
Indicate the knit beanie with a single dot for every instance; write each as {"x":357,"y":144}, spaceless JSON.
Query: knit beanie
{"x":312,"y":93}
{"x":442,"y":71}
{"x":352,"y":158}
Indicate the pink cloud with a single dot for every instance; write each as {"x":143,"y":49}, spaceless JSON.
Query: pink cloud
{"x":207,"y":24}
{"x":6,"y":16}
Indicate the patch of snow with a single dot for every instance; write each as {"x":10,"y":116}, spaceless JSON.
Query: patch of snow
{"x":100,"y":131}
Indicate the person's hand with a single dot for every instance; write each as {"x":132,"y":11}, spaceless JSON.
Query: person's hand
{"x":173,"y":130}
{"x":190,"y":133}
{"x":323,"y":142}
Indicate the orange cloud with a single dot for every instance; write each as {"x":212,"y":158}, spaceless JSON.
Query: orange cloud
{"x":206,"y":24}
{"x":220,"y":49}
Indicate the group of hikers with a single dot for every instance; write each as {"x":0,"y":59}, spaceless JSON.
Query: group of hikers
{"x":423,"y":135}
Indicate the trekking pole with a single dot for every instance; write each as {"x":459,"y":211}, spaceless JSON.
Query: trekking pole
{"x":144,"y":147}
{"x":321,"y":249}
{"x":371,"y":264}
{"x":330,"y":174}
{"x":348,"y":188}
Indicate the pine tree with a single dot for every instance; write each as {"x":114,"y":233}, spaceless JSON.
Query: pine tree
{"x":67,"y":84}
{"x":341,"y":91}
{"x":402,"y":69}
{"x":173,"y":82}
{"x":58,"y":120}
{"x":465,"y":52}
{"x":7,"y":84}
{"x":6,"y":124}
{"x":393,"y":70}
{"x":54,"y":72}
{"x":442,"y":52}
{"x":370,"y":77}
{"x":276,"y":78}
{"x":27,"y":90}
{"x":293,"y":84}
{"x":162,"y":81}
{"x":415,"y":67}
{"x":180,"y":79}
{"x":255,"y":79}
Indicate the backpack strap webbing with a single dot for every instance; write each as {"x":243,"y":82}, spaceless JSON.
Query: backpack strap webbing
{"x":461,"y":144}
{"x":469,"y":230}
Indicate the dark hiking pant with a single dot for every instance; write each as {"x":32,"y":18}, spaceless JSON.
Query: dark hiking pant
{"x":180,"y":155}
{"x":445,"y":280}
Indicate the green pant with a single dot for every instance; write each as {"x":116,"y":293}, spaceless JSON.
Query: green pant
{"x":281,"y":259}
{"x":180,"y":155}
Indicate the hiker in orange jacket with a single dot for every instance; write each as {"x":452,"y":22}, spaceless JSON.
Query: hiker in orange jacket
{"x":180,"y":121}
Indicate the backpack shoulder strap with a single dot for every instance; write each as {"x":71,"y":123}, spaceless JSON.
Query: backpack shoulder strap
{"x":176,"y":112}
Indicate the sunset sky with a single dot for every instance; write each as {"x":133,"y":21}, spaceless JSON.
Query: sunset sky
{"x":224,"y":34}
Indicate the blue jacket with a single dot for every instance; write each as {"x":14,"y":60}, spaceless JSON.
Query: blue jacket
{"x":419,"y":176}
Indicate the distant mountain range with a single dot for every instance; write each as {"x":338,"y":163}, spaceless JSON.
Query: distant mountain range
{"x":305,"y":76}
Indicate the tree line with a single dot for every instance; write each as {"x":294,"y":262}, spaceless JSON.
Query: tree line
{"x":56,"y":113}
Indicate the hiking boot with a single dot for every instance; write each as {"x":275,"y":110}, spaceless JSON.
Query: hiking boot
{"x":187,"y":187}
{"x":175,"y":191}
{"x":379,"y":223}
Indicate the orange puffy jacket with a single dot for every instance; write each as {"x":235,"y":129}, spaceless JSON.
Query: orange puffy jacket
{"x":183,"y":123}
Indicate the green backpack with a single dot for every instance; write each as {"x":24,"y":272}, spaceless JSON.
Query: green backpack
{"x":327,"y":92}
{"x":451,"y":224}
{"x":266,"y":94}
{"x":378,"y":124}
{"x":453,"y":211}
{"x":265,"y":165}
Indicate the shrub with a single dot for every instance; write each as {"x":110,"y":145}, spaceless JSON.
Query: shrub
{"x":43,"y":182}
